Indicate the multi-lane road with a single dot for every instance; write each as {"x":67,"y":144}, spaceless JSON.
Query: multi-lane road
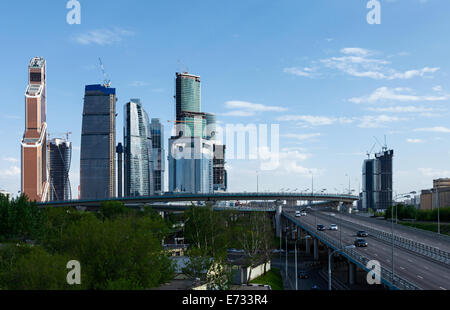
{"x":416,"y":269}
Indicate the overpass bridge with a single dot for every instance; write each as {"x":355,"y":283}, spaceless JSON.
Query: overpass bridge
{"x":415,"y":266}
{"x":187,"y":197}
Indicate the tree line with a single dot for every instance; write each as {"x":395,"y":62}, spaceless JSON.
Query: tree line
{"x":117,"y":248}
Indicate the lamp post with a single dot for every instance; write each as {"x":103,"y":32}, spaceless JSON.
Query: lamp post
{"x":329,"y":263}
{"x":392,"y":229}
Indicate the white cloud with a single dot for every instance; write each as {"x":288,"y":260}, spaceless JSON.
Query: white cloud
{"x":434,"y":173}
{"x":414,"y":141}
{"x":434,"y":129}
{"x":10,"y":172}
{"x":356,"y":51}
{"x":253,"y":106}
{"x":307,"y":72}
{"x":394,"y":94}
{"x":315,"y":120}
{"x":378,"y":121}
{"x":103,"y":36}
{"x":437,"y":88}
{"x":301,"y":136}
{"x":238,"y":113}
{"x":401,"y":109}
{"x":11,"y":159}
{"x":359,"y":62}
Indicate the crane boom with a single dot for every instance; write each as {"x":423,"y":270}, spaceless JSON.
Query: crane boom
{"x":106,"y":82}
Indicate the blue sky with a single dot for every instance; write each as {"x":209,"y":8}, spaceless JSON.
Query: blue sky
{"x":317,"y":68}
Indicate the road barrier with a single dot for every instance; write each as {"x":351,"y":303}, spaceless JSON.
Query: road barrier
{"x":392,"y":280}
{"x":413,"y":246}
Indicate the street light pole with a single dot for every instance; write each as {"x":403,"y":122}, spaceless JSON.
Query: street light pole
{"x":329,"y":263}
{"x":296,"y":274}
{"x":286,"y":254}
{"x":257,"y":182}
{"x":437,"y":202}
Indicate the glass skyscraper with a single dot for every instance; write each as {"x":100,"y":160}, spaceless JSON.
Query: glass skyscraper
{"x":158,"y":155}
{"x":138,"y":148}
{"x":60,"y":155}
{"x":98,"y":142}
{"x":377,"y":181}
{"x":191,"y":150}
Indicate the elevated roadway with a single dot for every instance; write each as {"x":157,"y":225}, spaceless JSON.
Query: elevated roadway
{"x":415,"y":269}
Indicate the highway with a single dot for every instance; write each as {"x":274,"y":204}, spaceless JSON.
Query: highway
{"x":428,"y":238}
{"x":416,"y":269}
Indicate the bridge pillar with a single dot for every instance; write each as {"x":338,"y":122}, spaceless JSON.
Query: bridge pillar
{"x":351,"y":273}
{"x":308,"y":246}
{"x":316,"y":249}
{"x":278,"y":220}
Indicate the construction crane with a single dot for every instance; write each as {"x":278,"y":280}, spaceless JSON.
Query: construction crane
{"x":370,"y":152}
{"x":106,"y":82}
{"x":60,"y":133}
{"x":383,"y":147}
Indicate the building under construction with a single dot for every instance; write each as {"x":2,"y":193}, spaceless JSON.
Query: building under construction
{"x":60,"y":153}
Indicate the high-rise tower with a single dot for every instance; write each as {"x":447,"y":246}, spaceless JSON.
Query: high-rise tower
{"x":34,"y":175}
{"x":158,"y":156}
{"x":60,"y":155}
{"x":98,"y":143}
{"x":138,"y":150}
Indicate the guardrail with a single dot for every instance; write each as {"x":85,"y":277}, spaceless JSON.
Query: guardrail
{"x":442,"y":237}
{"x":387,"y":277}
{"x":413,"y":246}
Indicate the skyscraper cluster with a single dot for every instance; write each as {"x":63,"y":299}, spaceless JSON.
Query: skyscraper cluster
{"x":196,"y":159}
{"x":377,"y":181}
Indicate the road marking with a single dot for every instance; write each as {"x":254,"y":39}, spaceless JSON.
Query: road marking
{"x":419,"y":277}
{"x":409,"y":260}
{"x":427,"y":268}
{"x":442,"y":288}
{"x":402,"y":268}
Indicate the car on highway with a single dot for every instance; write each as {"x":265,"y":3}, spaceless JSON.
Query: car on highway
{"x":360,"y":242}
{"x":298,"y":214}
{"x":362,"y":233}
{"x":315,"y":288}
{"x":320,"y":227}
{"x":303,"y":213}
{"x":333,"y":227}
{"x":332,"y":214}
{"x":302,"y":274}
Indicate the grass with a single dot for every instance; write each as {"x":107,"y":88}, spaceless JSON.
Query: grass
{"x":445,"y":228}
{"x":272,"y":278}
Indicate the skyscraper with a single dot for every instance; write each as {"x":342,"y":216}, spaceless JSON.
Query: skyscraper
{"x":60,"y":155}
{"x":219,"y":172}
{"x":191,"y":152}
{"x":98,"y":142}
{"x":377,"y":181}
{"x":34,"y":176}
{"x":138,"y":150}
{"x":158,"y":156}
{"x":368,"y":183}
{"x":383,"y":178}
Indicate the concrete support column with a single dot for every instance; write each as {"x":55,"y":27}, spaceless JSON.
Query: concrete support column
{"x":278,"y":220}
{"x":351,"y":273}
{"x":316,"y":249}
{"x":308,"y":246}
